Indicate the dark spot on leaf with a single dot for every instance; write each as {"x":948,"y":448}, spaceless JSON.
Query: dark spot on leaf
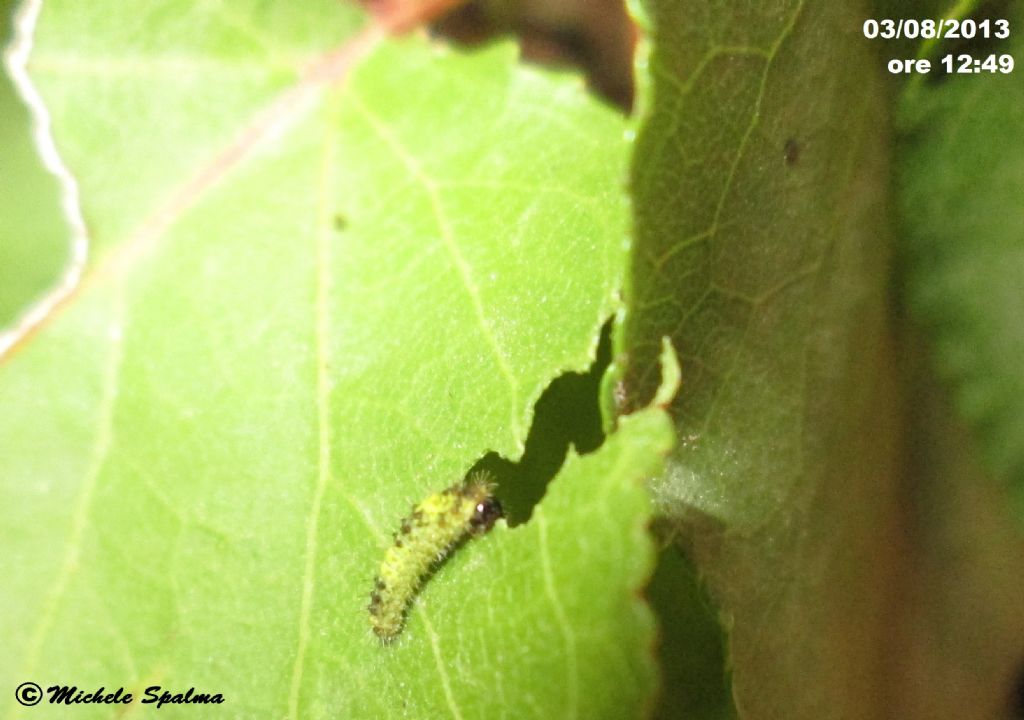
{"x":791,"y":151}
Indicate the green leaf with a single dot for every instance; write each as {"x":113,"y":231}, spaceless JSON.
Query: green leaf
{"x":328,"y":273}
{"x":758,"y":184}
{"x":961,"y":169}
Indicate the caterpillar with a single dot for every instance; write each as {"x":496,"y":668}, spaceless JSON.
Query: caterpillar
{"x":426,"y":536}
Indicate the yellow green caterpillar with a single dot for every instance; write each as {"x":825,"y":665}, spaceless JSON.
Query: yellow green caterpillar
{"x":425,"y":537}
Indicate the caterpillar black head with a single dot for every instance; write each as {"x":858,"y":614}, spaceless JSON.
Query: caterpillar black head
{"x":487,"y":512}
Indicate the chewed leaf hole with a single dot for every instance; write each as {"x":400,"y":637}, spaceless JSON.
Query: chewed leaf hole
{"x":598,"y":37}
{"x":566,"y":413}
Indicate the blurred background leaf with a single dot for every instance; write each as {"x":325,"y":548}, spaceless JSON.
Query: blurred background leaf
{"x":960,"y":179}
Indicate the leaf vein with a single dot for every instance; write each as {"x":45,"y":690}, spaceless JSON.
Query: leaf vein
{"x":431,"y":188}
{"x":322,"y":325}
{"x":100,"y":455}
{"x":568,"y":637}
{"x":441,"y":670}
